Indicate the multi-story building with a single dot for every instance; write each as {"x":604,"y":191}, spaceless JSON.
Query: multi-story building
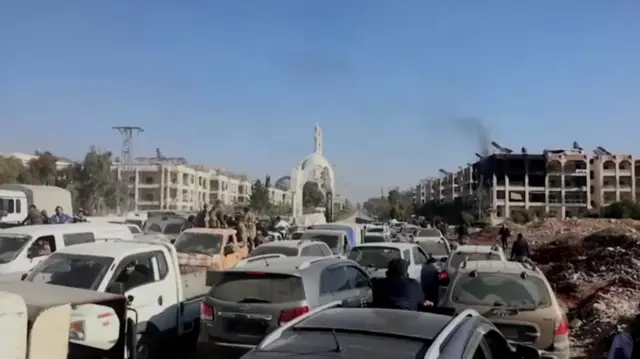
{"x":183,"y":187}
{"x":562,"y":183}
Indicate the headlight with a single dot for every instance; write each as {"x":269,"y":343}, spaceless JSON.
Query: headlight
{"x":76,"y":330}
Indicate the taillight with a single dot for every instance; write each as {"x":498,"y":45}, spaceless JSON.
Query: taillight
{"x":207,"y":312}
{"x":291,"y":314}
{"x":562,"y":326}
{"x":444,"y":275}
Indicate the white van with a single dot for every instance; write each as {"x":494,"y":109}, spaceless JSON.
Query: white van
{"x":21,"y":248}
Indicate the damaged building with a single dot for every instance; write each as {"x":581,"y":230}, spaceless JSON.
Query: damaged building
{"x":560,"y":182}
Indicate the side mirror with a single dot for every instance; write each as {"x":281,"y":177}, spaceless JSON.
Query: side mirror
{"x":443,"y":259}
{"x":228,"y":250}
{"x":115,"y":288}
{"x":526,"y":351}
{"x":24,"y":276}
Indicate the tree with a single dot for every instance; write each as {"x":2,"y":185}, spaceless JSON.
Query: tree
{"x":43,"y":169}
{"x":95,"y":184}
{"x":621,"y":209}
{"x":260,"y":201}
{"x":12,"y":170}
{"x":312,"y":196}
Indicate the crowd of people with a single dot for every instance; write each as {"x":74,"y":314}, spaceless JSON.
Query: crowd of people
{"x":36,"y":216}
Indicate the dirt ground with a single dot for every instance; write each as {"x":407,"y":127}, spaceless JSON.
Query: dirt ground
{"x":595,"y":267}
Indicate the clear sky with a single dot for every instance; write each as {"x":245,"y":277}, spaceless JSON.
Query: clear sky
{"x":240,"y":83}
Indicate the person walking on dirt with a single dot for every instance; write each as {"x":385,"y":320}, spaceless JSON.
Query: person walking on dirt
{"x":520,"y":249}
{"x":504,"y":234}
{"x":463,"y":233}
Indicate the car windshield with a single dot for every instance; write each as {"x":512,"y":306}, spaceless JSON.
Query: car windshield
{"x":172,"y":228}
{"x":458,"y":257}
{"x":135,"y":221}
{"x":501,"y":290}
{"x":374,"y":257}
{"x":256,"y":287}
{"x":429,"y":233}
{"x":71,"y":270}
{"x":11,"y":245}
{"x":332,"y":240}
{"x":373,"y":239}
{"x":375,"y":230}
{"x":435,"y":248}
{"x":267,"y":249}
{"x":202,"y":243}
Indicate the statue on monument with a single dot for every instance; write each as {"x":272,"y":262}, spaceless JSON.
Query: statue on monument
{"x":318,"y":139}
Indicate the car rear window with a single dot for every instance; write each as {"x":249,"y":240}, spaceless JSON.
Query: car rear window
{"x":429,"y":233}
{"x":435,"y":248}
{"x":501,"y":290}
{"x":373,"y":239}
{"x":296,"y":235}
{"x":287,"y":251}
{"x":257,"y":287}
{"x":458,"y":258}
{"x":375,"y":230}
{"x":374,"y":257}
{"x":173,"y":228}
{"x":332,"y":240}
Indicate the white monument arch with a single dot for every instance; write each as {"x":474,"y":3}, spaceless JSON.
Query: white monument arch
{"x":311,"y":169}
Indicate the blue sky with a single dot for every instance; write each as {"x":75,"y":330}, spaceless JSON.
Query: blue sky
{"x":240,"y":83}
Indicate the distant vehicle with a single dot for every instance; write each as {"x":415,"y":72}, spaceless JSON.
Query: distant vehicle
{"x":169,"y":226}
{"x":375,"y":257}
{"x":517,"y":299}
{"x":248,"y":302}
{"x":469,"y":253}
{"x":381,"y":229}
{"x":436,"y":247}
{"x":292,"y":248}
{"x":296,"y":235}
{"x":335,"y":239}
{"x":374,"y":238}
{"x":15,"y":200}
{"x":336,"y":330}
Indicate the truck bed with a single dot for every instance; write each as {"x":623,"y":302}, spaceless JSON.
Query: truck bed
{"x":194,"y":285}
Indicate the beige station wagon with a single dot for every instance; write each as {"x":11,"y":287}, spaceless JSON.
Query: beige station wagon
{"x":517,"y":298}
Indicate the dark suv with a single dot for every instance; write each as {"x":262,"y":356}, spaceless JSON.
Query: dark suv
{"x":248,"y":302}
{"x":333,"y":331}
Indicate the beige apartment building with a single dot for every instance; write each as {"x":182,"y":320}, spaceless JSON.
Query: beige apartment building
{"x":562,"y":183}
{"x":185,"y":187}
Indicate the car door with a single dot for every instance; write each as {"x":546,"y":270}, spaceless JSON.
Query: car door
{"x":336,"y":281}
{"x":418,"y":259}
{"x":361,"y":283}
{"x":145,"y":288}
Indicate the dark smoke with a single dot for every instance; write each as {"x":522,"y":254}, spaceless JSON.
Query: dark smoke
{"x":474,"y":129}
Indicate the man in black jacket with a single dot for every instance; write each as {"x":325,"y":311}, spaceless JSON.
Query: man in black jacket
{"x":520,"y":250}
{"x":397,"y":290}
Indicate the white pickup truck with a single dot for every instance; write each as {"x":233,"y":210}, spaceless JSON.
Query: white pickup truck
{"x":167,"y":303}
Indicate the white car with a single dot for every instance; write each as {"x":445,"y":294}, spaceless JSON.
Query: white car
{"x":289,"y":248}
{"x":376,"y":256}
{"x":470,"y":253}
{"x":384,"y":229}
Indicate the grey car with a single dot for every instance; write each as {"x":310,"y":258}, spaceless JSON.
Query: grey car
{"x":334,"y":331}
{"x":248,"y":302}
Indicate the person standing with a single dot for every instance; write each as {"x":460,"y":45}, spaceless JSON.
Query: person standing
{"x":250,"y":227}
{"x":60,"y":217}
{"x":520,"y":250}
{"x":33,"y":216}
{"x":504,"y":234}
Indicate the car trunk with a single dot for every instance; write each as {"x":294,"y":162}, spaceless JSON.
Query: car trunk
{"x":250,"y":305}
{"x":533,"y":327}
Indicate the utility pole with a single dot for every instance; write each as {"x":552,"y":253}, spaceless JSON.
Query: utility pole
{"x":126,"y":157}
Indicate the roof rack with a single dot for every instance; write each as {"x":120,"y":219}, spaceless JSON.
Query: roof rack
{"x":260,"y":258}
{"x":528,"y":264}
{"x":434,"y":350}
{"x":307,"y":264}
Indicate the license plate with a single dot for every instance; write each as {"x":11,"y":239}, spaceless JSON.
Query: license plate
{"x":245,"y":326}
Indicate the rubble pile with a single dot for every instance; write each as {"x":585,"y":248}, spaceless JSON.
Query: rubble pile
{"x":597,"y":278}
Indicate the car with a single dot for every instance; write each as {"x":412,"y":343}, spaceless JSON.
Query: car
{"x":470,"y":253}
{"x":248,"y":302}
{"x":169,"y":226}
{"x":517,"y":298}
{"x":376,"y":256}
{"x":381,"y":229}
{"x":428,"y":233}
{"x":336,"y":239}
{"x":435,"y":247}
{"x":292,"y":248}
{"x":335,"y":330}
{"x":374,"y":238}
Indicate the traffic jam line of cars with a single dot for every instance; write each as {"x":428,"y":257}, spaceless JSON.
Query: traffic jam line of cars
{"x":308,"y":296}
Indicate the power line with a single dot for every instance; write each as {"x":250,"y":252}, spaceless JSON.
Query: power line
{"x":126,"y":155}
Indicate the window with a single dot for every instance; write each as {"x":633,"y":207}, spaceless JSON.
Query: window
{"x":357,"y":278}
{"x":71,"y":270}
{"x":434,"y":248}
{"x":374,"y":257}
{"x":267,"y":249}
{"x":429,"y":233}
{"x":500,"y":290}
{"x":419,"y":256}
{"x":18,"y":206}
{"x":135,"y":271}
{"x":497,"y":344}
{"x":154,"y":227}
{"x":173,"y":228}
{"x":249,"y":287}
{"x":406,"y":255}
{"x":11,"y":206}
{"x":479,"y":353}
{"x":71,"y":239}
{"x":374,"y":239}
{"x":334,"y":280}
{"x":43,"y":246}
{"x":203,"y":243}
{"x":163,"y":266}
